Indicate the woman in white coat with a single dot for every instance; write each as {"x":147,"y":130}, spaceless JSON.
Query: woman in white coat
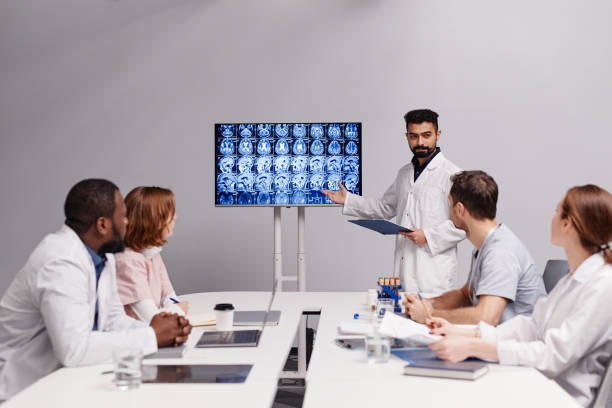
{"x":569,"y":335}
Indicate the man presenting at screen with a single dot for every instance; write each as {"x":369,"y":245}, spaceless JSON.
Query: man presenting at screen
{"x":425,"y":259}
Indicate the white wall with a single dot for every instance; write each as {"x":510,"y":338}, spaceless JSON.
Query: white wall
{"x":129,"y":90}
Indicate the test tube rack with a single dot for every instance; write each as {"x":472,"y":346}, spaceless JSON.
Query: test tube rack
{"x":391,"y":292}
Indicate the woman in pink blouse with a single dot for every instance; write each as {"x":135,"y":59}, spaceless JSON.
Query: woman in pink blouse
{"x":142,"y":278}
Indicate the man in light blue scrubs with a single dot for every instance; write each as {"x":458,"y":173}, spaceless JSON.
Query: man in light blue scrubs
{"x":503,"y":281}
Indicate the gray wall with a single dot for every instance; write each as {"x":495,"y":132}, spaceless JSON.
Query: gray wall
{"x":130,"y":90}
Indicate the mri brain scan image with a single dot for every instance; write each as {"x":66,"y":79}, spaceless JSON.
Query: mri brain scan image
{"x":317,"y":147}
{"x":281,"y":198}
{"x":245,"y":130}
{"x":264,"y":198}
{"x":264,"y":130}
{"x":227,"y":130}
{"x":350,"y":131}
{"x":285,"y":164}
{"x":245,"y":147}
{"x":298,"y":182}
{"x":263,"y":182}
{"x":282,"y":146}
{"x":226,"y":183}
{"x":245,"y":199}
{"x":245,"y":182}
{"x":350,"y":164}
{"x":281,"y":182}
{"x":350,"y":181}
{"x":317,"y":181}
{"x":299,"y":197}
{"x":226,"y":199}
{"x":334,"y":164}
{"x":334,"y":148}
{"x":226,"y":164}
{"x":281,"y":130}
{"x":281,"y":164}
{"x":264,"y":147}
{"x":226,"y":147}
{"x":299,"y":164}
{"x":333,"y":131}
{"x":332,"y":181}
{"x":299,"y":147}
{"x":316,"y":164}
{"x":351,"y":148}
{"x":299,"y":130}
{"x":264,"y":164}
{"x":245,"y":164}
{"x":316,"y":131}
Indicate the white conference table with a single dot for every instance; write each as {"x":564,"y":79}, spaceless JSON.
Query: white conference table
{"x":334,"y":376}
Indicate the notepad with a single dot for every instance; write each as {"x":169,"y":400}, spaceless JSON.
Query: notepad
{"x":202,"y":319}
{"x":381,"y":226}
{"x":465,"y":370}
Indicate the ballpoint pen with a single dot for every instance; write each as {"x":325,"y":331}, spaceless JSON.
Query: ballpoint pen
{"x":429,"y":316}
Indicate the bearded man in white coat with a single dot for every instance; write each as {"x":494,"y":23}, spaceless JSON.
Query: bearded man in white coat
{"x":63,"y":309}
{"x":425,"y":259}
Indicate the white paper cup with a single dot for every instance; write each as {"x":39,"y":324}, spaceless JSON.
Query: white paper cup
{"x":372,"y":297}
{"x":224,"y":315}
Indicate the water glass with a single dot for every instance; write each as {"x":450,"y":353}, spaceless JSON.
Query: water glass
{"x":128,"y":369}
{"x":377,"y":347}
{"x":384,"y":306}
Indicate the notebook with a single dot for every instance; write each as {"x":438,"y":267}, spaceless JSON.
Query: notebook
{"x":381,"y":226}
{"x":465,"y":370}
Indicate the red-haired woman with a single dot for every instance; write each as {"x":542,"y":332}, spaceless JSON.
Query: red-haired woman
{"x":142,"y":278}
{"x":569,"y":335}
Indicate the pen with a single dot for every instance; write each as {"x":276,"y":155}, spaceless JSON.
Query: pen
{"x":173,"y":299}
{"x":424,"y":307}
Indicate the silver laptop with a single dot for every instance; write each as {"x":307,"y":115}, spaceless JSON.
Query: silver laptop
{"x":237,"y":338}
{"x":256,"y":317}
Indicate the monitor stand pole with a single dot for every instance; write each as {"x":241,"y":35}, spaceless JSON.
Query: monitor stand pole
{"x":278,"y":277}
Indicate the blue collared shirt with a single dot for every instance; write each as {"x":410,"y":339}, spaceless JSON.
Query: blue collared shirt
{"x":99,"y":263}
{"x":419,"y":169}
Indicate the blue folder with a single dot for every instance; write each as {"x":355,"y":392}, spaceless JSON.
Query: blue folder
{"x":381,"y":226}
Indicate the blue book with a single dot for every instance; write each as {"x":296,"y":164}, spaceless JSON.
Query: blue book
{"x":465,"y":370}
{"x":381,"y":226}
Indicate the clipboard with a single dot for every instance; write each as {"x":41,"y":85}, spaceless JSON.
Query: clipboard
{"x":383,"y":227}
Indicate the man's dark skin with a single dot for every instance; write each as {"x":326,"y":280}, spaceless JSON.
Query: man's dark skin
{"x":170,"y":329}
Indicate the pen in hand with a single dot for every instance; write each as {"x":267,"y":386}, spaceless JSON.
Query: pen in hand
{"x":427,"y":312}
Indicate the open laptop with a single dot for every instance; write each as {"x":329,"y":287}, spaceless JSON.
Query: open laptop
{"x":237,"y":338}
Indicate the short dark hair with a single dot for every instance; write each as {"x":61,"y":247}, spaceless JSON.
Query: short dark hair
{"x":87,"y":201}
{"x":420,"y":116}
{"x":477,"y":191}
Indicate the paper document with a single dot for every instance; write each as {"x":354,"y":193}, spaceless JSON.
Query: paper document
{"x":202,"y":319}
{"x":355,"y":327}
{"x":403,"y":328}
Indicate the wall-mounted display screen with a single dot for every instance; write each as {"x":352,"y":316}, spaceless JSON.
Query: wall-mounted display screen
{"x":285,"y":164}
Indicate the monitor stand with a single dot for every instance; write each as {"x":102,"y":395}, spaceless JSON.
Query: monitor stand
{"x":278,"y":278}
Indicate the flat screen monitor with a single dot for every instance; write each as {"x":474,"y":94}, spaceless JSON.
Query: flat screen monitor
{"x":285,"y":164}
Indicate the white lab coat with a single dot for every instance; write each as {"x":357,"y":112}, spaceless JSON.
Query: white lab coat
{"x":430,"y":268}
{"x":47,"y":314}
{"x":569,"y":335}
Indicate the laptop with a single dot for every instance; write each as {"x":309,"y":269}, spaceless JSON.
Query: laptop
{"x":256,"y":317}
{"x":237,"y":338}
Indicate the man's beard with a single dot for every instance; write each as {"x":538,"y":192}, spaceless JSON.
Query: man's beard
{"x":114,"y":246}
{"x":426,"y":152}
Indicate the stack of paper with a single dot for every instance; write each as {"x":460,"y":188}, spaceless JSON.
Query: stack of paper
{"x":355,"y":327}
{"x":403,"y":328}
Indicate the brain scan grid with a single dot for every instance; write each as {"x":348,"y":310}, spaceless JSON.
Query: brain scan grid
{"x":285,"y":163}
